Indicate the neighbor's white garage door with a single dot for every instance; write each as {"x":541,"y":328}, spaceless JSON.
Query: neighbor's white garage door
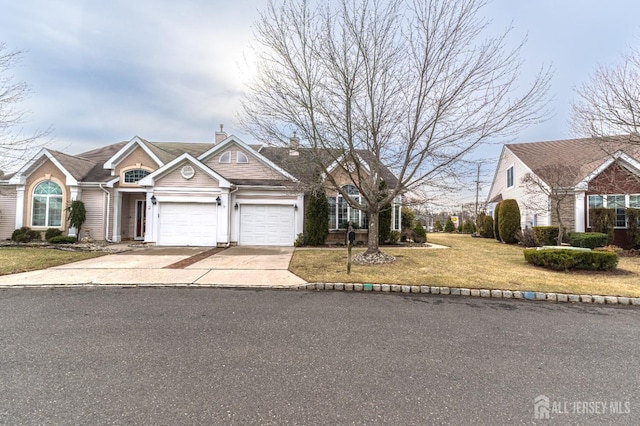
{"x":187,"y":224}
{"x":266,"y":225}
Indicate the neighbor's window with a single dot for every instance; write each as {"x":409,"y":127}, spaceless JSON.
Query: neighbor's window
{"x":47,"y":204}
{"x":226,"y":157}
{"x":510,"y":177}
{"x":133,"y":176}
{"x":617,"y":202}
{"x":241,"y":158}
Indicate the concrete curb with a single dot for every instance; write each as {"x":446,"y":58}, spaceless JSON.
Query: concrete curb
{"x":375,"y":288}
{"x":482,"y":293}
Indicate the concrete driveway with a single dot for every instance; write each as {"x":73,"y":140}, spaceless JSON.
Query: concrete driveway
{"x":233,"y":267}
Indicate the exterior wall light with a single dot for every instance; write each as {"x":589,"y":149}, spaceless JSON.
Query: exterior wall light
{"x":154,"y":200}
{"x":218,"y":201}
{"x":236,"y":206}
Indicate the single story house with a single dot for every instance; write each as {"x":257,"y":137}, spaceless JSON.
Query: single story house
{"x":594,"y":172}
{"x":171,"y":194}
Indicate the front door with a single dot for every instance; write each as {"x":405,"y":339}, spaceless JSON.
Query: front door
{"x":141,"y":219}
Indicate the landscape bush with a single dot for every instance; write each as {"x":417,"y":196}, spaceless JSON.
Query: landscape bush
{"x":496,"y":222}
{"x":602,"y":220}
{"x":419,"y":233}
{"x":486,"y":230}
{"x":526,"y":238}
{"x":468,"y":227}
{"x":394,"y":237}
{"x":437,"y":226}
{"x":63,"y":239}
{"x":563,"y":259}
{"x":52,"y":232}
{"x":546,"y":235}
{"x":588,"y":239}
{"x":633,"y":227}
{"x":316,"y":225}
{"x":449,"y":226}
{"x":25,"y":235}
{"x":509,"y":215}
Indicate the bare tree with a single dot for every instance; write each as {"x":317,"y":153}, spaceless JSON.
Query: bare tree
{"x":14,"y":147}
{"x":550,"y":188}
{"x":414,"y":85}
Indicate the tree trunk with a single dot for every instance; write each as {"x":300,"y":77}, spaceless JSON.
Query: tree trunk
{"x":372,"y":245}
{"x":560,"y":227}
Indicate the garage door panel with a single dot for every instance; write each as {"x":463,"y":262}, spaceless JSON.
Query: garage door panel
{"x":266,"y":225}
{"x":187,"y":224}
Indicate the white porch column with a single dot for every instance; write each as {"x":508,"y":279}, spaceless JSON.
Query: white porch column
{"x":299,"y":215}
{"x":223,"y":219}
{"x":581,"y":226}
{"x":117,"y":207}
{"x":150,"y":218}
{"x":19,"y":206}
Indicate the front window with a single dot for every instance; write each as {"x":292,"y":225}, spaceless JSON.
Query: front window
{"x":617,"y":202}
{"x":510,"y":177}
{"x":341,"y":213}
{"x":133,"y":176}
{"x":47,"y":205}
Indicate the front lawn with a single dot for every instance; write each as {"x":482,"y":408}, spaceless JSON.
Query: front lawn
{"x":469,"y":262}
{"x":23,"y":259}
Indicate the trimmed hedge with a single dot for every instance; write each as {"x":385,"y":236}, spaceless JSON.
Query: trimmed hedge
{"x":52,"y":232}
{"x":487,"y":227}
{"x":63,"y":239}
{"x":25,"y":235}
{"x":496,"y":222}
{"x":546,"y":235}
{"x":633,"y":230}
{"x":562,"y":259}
{"x":588,"y":239}
{"x":509,"y":218}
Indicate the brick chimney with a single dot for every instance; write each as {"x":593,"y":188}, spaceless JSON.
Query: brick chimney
{"x":294,"y":144}
{"x":221,"y":135}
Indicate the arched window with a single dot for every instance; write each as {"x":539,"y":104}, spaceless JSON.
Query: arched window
{"x":225,"y":158}
{"x":134,"y":175}
{"x":241,"y":158}
{"x":341,"y":213}
{"x":47,"y":204}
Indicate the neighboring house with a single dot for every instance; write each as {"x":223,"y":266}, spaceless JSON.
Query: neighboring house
{"x":171,"y":194}
{"x":596,"y":174}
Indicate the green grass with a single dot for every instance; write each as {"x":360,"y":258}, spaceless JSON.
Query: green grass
{"x":469,"y":262}
{"x":23,"y":259}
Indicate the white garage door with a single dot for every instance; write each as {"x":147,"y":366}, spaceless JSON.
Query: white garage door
{"x":187,"y":224}
{"x":266,"y":225}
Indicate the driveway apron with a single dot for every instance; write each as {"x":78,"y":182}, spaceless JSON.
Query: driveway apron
{"x":234,"y":267}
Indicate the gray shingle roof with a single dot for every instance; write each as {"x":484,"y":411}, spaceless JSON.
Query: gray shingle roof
{"x":582,"y":155}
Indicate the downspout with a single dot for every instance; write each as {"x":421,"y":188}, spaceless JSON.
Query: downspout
{"x":229,"y":218}
{"x":106,"y":227}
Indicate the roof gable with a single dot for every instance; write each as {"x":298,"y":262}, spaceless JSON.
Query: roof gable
{"x":119,"y":156}
{"x":19,"y":178}
{"x":150,"y":179}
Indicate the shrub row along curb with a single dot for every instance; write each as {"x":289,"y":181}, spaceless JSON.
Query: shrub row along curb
{"x":474,"y":292}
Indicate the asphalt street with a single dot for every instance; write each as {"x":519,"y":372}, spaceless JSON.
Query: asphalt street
{"x":221,"y":356}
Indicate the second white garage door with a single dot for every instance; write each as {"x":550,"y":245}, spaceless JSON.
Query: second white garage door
{"x":187,"y":224}
{"x":266,"y":225}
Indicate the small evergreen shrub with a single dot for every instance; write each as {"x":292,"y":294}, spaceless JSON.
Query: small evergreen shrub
{"x":588,"y":239}
{"x":496,"y":221}
{"x":633,"y":227}
{"x":52,"y":232}
{"x":437,"y":226}
{"x":487,"y":228}
{"x":509,"y":221}
{"x":394,"y":237}
{"x":449,"y":226}
{"x":419,"y":233}
{"x":603,"y":221}
{"x":316,"y":225}
{"x":562,"y":259}
{"x":546,"y":235}
{"x":526,"y":238}
{"x":299,"y":242}
{"x":25,"y":235}
{"x":468,"y":227}
{"x":63,"y":239}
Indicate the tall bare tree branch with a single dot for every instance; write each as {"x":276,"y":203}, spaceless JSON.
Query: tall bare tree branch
{"x":413,"y":85}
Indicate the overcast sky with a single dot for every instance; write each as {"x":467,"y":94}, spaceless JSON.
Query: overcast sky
{"x":104,"y":71}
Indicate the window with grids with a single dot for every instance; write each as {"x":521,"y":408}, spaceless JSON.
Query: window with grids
{"x":619,"y":203}
{"x":47,"y":204}
{"x":340,"y":212}
{"x":133,"y":176}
